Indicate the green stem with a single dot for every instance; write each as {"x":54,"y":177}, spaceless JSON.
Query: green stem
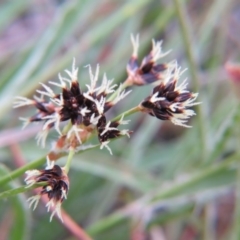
{"x":193,"y":71}
{"x":126,"y":113}
{"x":15,"y":191}
{"x":69,"y":160}
{"x":33,"y":165}
{"x":67,"y":128}
{"x":20,"y":171}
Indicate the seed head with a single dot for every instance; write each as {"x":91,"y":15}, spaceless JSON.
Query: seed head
{"x":149,"y":70}
{"x":169,"y":101}
{"x":85,"y":110}
{"x":56,"y":188}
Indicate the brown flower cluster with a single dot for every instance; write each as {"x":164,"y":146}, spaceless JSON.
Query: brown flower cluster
{"x":149,"y":70}
{"x":170,"y":101}
{"x":56,"y":188}
{"x":84,"y":113}
{"x":85,"y":110}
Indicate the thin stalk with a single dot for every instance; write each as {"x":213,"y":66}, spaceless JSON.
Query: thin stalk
{"x":69,"y":160}
{"x":67,"y":128}
{"x":126,"y":113}
{"x":193,"y":71}
{"x":37,"y":163}
{"x":22,"y":189}
{"x":34,"y":164}
{"x":20,"y":171}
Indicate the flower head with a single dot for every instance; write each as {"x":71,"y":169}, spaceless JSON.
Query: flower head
{"x":85,"y":110}
{"x":149,"y":70}
{"x":109,"y":130}
{"x":170,"y":101}
{"x":56,"y":188}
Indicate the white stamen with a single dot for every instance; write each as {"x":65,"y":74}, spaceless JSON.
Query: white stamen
{"x":33,"y":201}
{"x":41,"y":137}
{"x":26,"y":121}
{"x":120,"y":95}
{"x":189,"y":113}
{"x":154,"y":98}
{"x":74,"y":73}
{"x":55,"y":118}
{"x":49,"y":92}
{"x":93,"y":79}
{"x":58,"y":211}
{"x":100,"y":105}
{"x":135,"y":43}
{"x":62,"y":83}
{"x":67,"y":80}
{"x":106,"y":86}
{"x":30,"y":182}
{"x":190,"y":102}
{"x":48,"y":188}
{"x":125,"y":132}
{"x":75,"y":130}
{"x":157,"y":50}
{"x":86,"y":95}
{"x":181,"y":118}
{"x":39,"y":99}
{"x":180,"y":122}
{"x":22,"y":101}
{"x":56,"y":208}
{"x":50,"y":164}
{"x":31,"y":175}
{"x":108,"y":128}
{"x":105,"y":144}
{"x":50,"y":205}
{"x":174,"y":106}
{"x":103,"y":84}
{"x":123,"y":122}
{"x":57,"y":101}
{"x":84,"y":111}
{"x":181,"y":88}
{"x":94,"y":120}
{"x":64,"y":193}
{"x":168,"y":75}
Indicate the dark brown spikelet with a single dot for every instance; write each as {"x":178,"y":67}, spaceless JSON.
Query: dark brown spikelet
{"x":149,"y":70}
{"x":56,"y":188}
{"x":169,"y":101}
{"x":86,"y":110}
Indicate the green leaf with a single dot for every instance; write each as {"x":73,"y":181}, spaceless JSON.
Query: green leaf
{"x":20,"y":228}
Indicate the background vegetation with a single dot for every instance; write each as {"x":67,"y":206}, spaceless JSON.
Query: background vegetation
{"x":166,"y":182}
